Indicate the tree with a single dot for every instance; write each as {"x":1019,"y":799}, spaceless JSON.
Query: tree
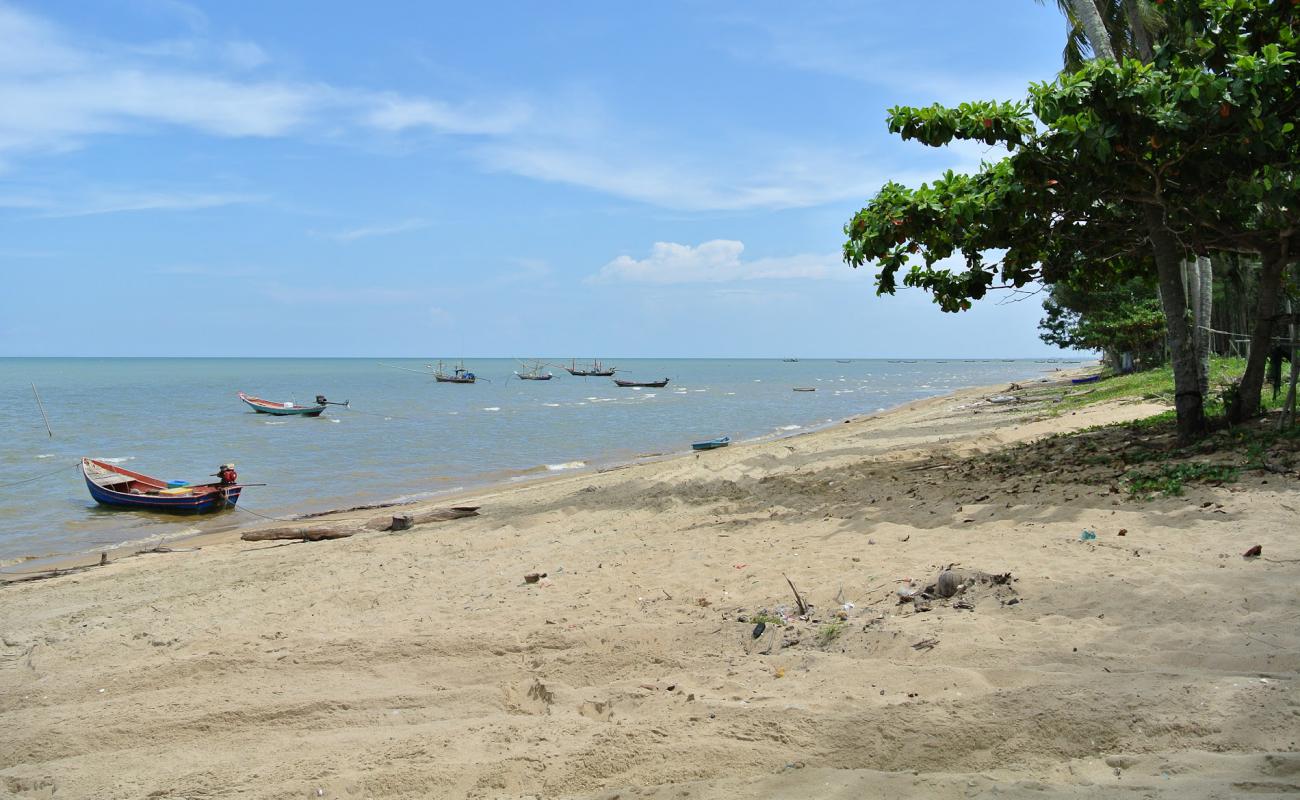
{"x":1123,"y":170}
{"x":1123,"y":318}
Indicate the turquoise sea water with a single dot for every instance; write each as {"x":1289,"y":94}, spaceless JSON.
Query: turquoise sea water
{"x":404,"y":436}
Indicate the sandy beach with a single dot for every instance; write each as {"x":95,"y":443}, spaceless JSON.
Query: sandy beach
{"x":1153,"y":663}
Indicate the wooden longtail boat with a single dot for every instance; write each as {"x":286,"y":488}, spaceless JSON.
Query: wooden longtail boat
{"x":459,"y":375}
{"x":111,"y":485}
{"x":1088,"y":379}
{"x":712,"y":444}
{"x":596,"y":370}
{"x":282,"y":409}
{"x":534,"y":373}
{"x":646,"y":384}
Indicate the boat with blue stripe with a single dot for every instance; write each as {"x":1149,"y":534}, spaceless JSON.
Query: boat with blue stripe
{"x":111,"y":485}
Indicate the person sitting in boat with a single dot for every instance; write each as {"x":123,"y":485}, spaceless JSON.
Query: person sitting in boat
{"x":320,"y":400}
{"x":226,"y":475}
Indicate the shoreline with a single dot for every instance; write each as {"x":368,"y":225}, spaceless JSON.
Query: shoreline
{"x":664,"y":653}
{"x":59,"y":562}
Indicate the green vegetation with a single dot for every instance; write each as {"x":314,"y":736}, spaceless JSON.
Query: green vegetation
{"x":1158,"y":385}
{"x":1118,"y":171}
{"x":1168,"y":479}
{"x":829,"y":633}
{"x":766,"y":618}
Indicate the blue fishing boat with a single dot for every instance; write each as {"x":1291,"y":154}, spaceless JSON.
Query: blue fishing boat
{"x":712,"y":444}
{"x":1089,"y":379}
{"x":111,"y":485}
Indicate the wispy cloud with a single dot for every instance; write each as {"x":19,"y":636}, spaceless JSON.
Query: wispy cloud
{"x":815,"y":40}
{"x":717,"y":261}
{"x":57,"y":90}
{"x":121,"y":202}
{"x":369,"y":231}
{"x":334,"y":295}
{"x":773,"y":178}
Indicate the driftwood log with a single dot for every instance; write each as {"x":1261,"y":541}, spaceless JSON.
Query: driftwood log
{"x":345,"y":528}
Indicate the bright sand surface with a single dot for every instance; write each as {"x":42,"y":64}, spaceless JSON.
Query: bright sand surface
{"x":419,"y":664}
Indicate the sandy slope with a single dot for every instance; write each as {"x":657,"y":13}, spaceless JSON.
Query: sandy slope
{"x":1158,"y":664}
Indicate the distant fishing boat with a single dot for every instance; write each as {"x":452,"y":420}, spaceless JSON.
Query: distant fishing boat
{"x":646,"y":384}
{"x":1088,"y":379}
{"x":458,"y":375}
{"x":111,"y":485}
{"x":712,"y":444}
{"x":805,"y":388}
{"x":534,"y":373}
{"x":287,"y":409}
{"x":792,"y":360}
{"x":595,"y":370}
{"x":843,"y":361}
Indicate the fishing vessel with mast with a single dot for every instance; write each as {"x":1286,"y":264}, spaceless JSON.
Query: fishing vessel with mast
{"x":593,"y":370}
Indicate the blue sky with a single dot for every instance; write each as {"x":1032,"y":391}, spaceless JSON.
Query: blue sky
{"x":509,"y":179}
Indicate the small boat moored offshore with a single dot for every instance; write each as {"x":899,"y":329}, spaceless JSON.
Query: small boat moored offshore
{"x":287,"y":409}
{"x":534,"y":373}
{"x":712,"y":444}
{"x":111,"y":485}
{"x":646,"y":384}
{"x":805,"y":388}
{"x":596,"y":370}
{"x":459,"y":375}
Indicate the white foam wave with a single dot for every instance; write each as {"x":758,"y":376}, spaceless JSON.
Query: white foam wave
{"x":492,"y":408}
{"x":566,"y":465}
{"x":45,"y":455}
{"x":789,"y":427}
{"x":117,"y":460}
{"x":276,"y":422}
{"x":551,"y":405}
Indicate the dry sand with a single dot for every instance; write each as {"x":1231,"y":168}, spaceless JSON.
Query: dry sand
{"x":419,"y":664}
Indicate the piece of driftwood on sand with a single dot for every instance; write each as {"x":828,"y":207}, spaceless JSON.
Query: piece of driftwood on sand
{"x":345,"y":528}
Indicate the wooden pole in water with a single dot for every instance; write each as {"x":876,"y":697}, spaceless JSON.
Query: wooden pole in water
{"x":41,"y":406}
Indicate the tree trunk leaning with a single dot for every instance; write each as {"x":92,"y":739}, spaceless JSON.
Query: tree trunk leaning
{"x":1245,"y":403}
{"x":1090,"y":18}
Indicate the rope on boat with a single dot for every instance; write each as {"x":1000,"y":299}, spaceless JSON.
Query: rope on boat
{"x":29,"y":480}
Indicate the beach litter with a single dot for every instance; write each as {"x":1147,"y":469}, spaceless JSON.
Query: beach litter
{"x":1087,"y":536}
{"x":1254,"y":552}
{"x":534,"y":577}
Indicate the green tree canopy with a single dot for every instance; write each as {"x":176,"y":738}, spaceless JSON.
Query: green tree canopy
{"x":1115,"y":171}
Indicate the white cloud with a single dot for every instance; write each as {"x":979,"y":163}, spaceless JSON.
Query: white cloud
{"x":366,"y":232}
{"x":57,"y":92}
{"x":394,"y":113}
{"x":768,"y":178}
{"x":116,"y":202}
{"x":245,"y":55}
{"x":717,"y":261}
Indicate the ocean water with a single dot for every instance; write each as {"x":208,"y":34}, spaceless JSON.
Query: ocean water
{"x":404,"y":436}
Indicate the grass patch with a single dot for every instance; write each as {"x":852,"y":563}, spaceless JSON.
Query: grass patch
{"x":767,"y":619}
{"x":1158,"y":384}
{"x":1168,"y":479}
{"x":829,"y":633}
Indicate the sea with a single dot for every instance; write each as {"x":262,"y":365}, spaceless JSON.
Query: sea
{"x":402,"y":436}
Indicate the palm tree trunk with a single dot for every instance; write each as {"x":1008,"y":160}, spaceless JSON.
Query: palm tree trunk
{"x":1188,"y":400}
{"x":1141,"y":40}
{"x":1090,"y":19}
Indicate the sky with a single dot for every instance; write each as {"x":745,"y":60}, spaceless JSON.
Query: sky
{"x":590,"y":179}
